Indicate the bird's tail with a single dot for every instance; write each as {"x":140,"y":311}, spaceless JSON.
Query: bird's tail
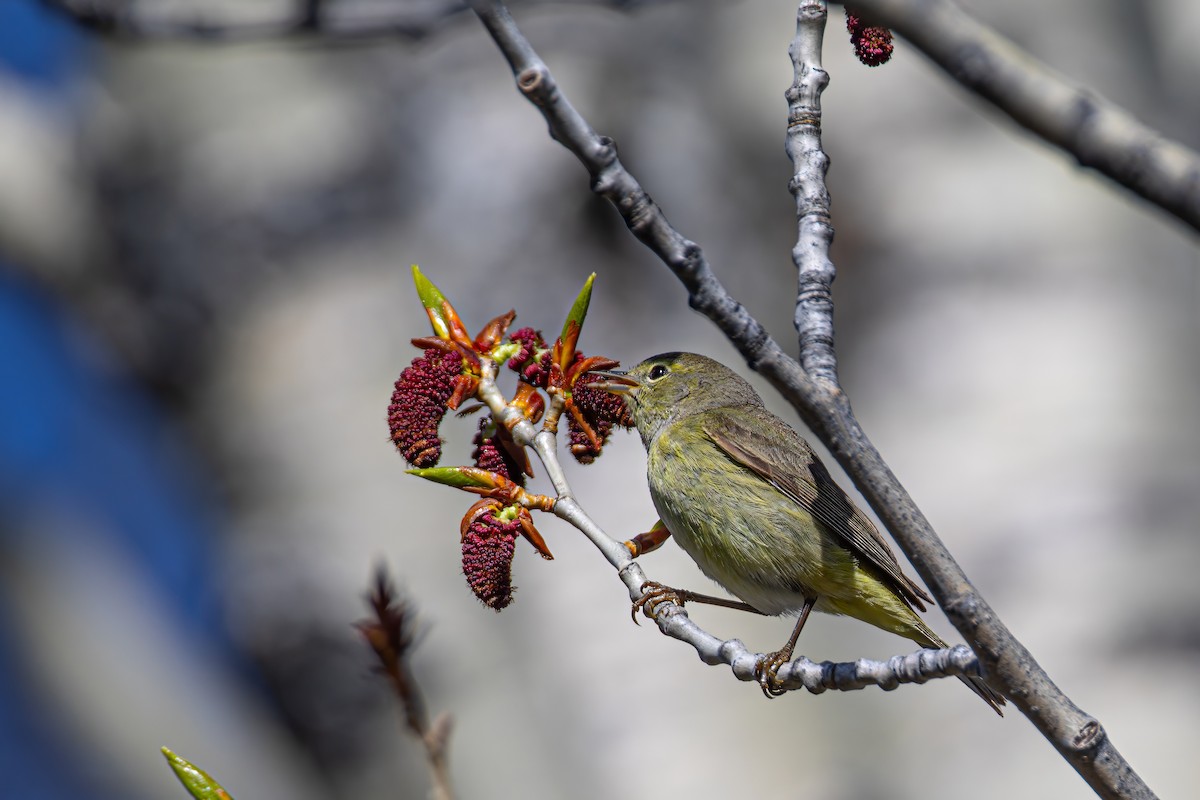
{"x":888,"y":610}
{"x":976,"y":684}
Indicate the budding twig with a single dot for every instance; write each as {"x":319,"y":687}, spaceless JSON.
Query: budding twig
{"x":491,"y":527}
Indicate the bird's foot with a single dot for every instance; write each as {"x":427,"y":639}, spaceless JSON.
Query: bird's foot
{"x":766,"y":672}
{"x":654,"y":593}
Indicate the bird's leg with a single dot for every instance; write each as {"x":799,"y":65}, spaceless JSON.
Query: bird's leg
{"x":654,"y":593}
{"x":766,"y":670}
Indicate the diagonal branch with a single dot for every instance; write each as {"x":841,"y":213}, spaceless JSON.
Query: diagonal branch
{"x":1097,"y":133}
{"x":821,"y":403}
{"x":642,"y":215}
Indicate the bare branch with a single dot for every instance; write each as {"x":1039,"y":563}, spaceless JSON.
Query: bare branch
{"x":822,"y":404}
{"x":814,"y":296}
{"x":642,"y":215}
{"x":1095,"y":132}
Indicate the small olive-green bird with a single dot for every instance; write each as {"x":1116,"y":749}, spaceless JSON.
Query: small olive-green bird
{"x":745,"y":496}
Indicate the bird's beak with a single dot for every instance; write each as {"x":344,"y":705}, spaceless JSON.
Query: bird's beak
{"x":616,"y":382}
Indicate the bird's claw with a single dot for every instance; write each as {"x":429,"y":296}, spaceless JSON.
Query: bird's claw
{"x":766,"y":672}
{"x":654,"y":593}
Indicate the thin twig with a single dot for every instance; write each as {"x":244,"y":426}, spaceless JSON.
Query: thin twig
{"x":824,"y":406}
{"x":673,"y":619}
{"x":1095,"y":132}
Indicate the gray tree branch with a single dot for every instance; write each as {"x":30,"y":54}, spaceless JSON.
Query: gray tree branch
{"x":1095,"y":132}
{"x":818,"y":398}
{"x":814,"y":297}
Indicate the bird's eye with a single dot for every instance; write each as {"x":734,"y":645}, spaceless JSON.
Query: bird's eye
{"x":658,"y":371}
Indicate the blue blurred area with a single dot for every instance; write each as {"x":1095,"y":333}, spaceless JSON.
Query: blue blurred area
{"x":36,"y":45}
{"x":78,"y":438}
{"x":41,"y":52}
{"x":30,"y":748}
{"x":75,"y":435}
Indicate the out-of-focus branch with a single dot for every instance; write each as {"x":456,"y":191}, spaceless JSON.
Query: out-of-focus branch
{"x":319,"y":20}
{"x":391,"y":633}
{"x":1095,"y":132}
{"x":820,"y":401}
{"x":307,"y":19}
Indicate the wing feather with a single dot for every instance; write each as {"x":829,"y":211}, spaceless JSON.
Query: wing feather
{"x":791,"y":466}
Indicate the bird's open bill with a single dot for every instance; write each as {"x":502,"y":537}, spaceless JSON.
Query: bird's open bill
{"x":615,"y":382}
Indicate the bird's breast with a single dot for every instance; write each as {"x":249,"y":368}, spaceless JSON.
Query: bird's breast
{"x":741,"y":531}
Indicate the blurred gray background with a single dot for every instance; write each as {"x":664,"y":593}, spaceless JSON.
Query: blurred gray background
{"x":204,"y":255}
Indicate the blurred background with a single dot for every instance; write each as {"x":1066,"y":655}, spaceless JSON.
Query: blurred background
{"x":205,"y":298}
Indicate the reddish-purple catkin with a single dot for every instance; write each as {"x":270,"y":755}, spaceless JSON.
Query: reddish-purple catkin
{"x":602,"y":410}
{"x":419,"y":403}
{"x":872,"y":43}
{"x":532,"y":367}
{"x":487,"y":555}
{"x":491,"y":455}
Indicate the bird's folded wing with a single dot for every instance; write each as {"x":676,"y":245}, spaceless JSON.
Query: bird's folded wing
{"x":789,"y":464}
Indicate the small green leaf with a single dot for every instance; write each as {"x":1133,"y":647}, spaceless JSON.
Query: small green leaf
{"x":579,"y":310}
{"x":198,"y":782}
{"x":429,"y":294}
{"x":508,"y":513}
{"x":434,"y":301}
{"x":458,"y":477}
{"x":504,"y":351}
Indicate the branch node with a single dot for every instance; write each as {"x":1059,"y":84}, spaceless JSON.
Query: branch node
{"x":639,"y":211}
{"x":1089,"y":736}
{"x":604,"y":151}
{"x":804,"y":117}
{"x":534,"y":82}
